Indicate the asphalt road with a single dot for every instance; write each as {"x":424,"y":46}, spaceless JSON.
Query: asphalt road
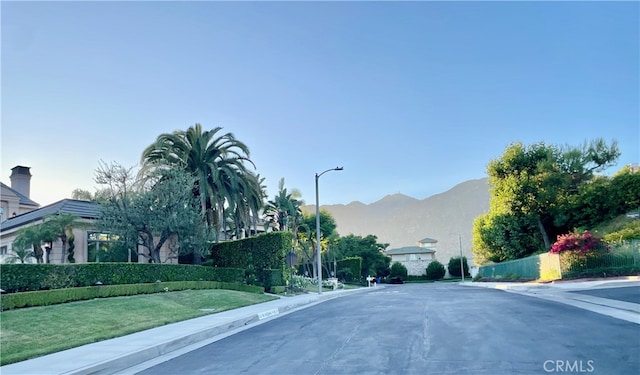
{"x":626,"y":294}
{"x":423,"y":329}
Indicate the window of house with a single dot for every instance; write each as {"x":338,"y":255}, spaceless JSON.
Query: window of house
{"x":3,"y":250}
{"x":106,"y":247}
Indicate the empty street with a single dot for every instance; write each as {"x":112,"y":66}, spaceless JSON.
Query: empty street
{"x":423,"y":329}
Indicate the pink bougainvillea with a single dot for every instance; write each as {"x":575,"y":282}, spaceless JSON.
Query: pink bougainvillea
{"x":580,"y":242}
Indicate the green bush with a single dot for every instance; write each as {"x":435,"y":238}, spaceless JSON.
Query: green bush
{"x":398,"y":270}
{"x":32,"y":277}
{"x":345,"y":274}
{"x":435,"y":270}
{"x":271,"y":278}
{"x":417,"y":278}
{"x":353,"y":264}
{"x":629,"y":232}
{"x":56,"y":296}
{"x":278,"y":289}
{"x":255,"y":254}
{"x":454,"y":267}
{"x":604,"y":272}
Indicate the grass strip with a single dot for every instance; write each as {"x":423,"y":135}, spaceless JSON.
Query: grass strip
{"x":37,"y":331}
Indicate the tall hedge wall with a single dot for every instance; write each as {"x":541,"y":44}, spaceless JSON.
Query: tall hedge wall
{"x":264,"y":252}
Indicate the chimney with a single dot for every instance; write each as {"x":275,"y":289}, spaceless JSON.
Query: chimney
{"x":21,"y":180}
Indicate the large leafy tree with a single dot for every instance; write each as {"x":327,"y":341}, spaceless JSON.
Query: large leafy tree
{"x":217,"y":162}
{"x":501,"y":237}
{"x":531,"y":191}
{"x":157,"y":211}
{"x":82,"y":195}
{"x":307,"y":237}
{"x":604,"y":198}
{"x":374,"y":262}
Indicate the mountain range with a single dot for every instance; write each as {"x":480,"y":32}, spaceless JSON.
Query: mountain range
{"x":400,"y":220}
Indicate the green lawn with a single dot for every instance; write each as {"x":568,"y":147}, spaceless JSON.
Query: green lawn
{"x":36,"y":331}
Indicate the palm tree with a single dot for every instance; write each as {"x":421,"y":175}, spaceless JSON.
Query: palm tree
{"x":20,"y":253}
{"x":216,"y":161}
{"x":31,"y":237}
{"x":61,"y":225}
{"x":285,"y":206}
{"x":255,"y":200}
{"x":247,"y":197}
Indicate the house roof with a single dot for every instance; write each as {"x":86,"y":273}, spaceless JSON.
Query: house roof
{"x":23,"y":199}
{"x":409,"y":250}
{"x":82,"y":209}
{"x":428,"y":240}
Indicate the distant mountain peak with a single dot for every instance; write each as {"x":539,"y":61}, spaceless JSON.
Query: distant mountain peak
{"x":396,"y":197}
{"x":400,"y":220}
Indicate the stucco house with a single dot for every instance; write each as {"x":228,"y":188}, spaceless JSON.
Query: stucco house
{"x":415,"y":258}
{"x":15,"y":200}
{"x":87,"y":213}
{"x":19,"y":212}
{"x":90,"y":244}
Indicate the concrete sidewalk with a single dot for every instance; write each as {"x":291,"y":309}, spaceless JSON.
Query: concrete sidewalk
{"x":562,"y":292}
{"x":114,"y":355}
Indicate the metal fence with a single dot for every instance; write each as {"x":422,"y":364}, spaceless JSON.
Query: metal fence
{"x":525,"y":268}
{"x":622,"y":259}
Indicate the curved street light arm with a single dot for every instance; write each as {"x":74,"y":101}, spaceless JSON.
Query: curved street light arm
{"x":329,"y":170}
{"x":318,"y":253}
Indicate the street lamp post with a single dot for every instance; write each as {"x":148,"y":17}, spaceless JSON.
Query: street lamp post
{"x":461,"y":266}
{"x":318,"y":254}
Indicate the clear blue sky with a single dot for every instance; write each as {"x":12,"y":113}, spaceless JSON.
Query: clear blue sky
{"x":410,"y":97}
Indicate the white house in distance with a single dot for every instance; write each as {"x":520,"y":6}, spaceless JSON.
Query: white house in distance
{"x":415,"y":258}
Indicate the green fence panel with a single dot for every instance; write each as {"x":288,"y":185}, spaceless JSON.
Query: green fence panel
{"x":525,"y":268}
{"x":622,"y":259}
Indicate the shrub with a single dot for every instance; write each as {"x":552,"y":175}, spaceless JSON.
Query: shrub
{"x":579,"y":242}
{"x":299,"y":282}
{"x":398,"y":270}
{"x":56,"y":296}
{"x":354,"y":264}
{"x":630,"y":231}
{"x":271,"y":278}
{"x":345,"y":274}
{"x":417,"y":278}
{"x":454,"y":266}
{"x":435,"y":270}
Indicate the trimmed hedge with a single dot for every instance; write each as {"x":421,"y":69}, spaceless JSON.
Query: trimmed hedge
{"x":262,"y":253}
{"x":32,"y":277}
{"x":56,"y":296}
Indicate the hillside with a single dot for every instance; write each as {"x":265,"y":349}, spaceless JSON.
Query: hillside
{"x":400,"y":220}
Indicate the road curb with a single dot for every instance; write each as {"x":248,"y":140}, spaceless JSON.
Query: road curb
{"x":562,"y":292}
